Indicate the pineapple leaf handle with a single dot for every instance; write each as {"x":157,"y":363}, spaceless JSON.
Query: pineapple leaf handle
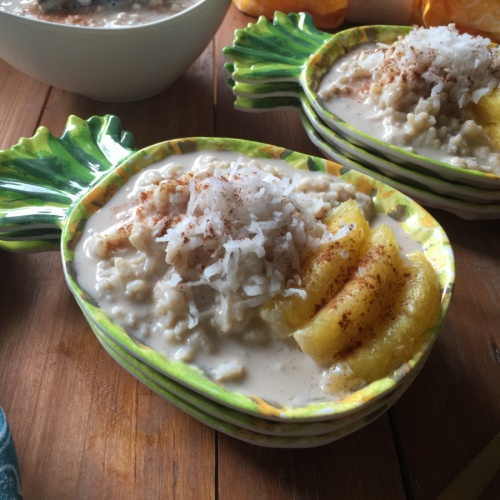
{"x":274,"y":51}
{"x":43,"y":177}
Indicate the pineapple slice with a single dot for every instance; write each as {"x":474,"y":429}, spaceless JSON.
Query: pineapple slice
{"x":347,"y":319}
{"x":487,"y":112}
{"x":488,"y":107}
{"x":326,"y":271}
{"x":493,"y":130}
{"x":415,"y":308}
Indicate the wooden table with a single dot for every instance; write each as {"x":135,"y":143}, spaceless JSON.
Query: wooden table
{"x":86,"y":429}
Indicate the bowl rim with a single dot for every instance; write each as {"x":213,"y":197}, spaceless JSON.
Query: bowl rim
{"x":58,"y":26}
{"x":435,"y":241}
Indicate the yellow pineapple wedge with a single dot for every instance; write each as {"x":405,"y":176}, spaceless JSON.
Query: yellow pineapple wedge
{"x":326,"y":271}
{"x":348,"y":317}
{"x":415,"y":308}
{"x":487,"y":112}
{"x":493,"y":130}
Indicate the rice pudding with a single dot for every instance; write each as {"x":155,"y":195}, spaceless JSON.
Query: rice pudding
{"x":188,"y":254}
{"x":119,"y":13}
{"x":419,"y":93}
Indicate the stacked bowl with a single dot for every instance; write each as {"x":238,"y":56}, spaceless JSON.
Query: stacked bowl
{"x":50,"y":186}
{"x":280,"y":64}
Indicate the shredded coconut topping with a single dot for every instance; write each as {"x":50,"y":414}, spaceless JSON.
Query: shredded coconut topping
{"x":243,"y":234}
{"x":463,"y":66}
{"x":425,"y":64}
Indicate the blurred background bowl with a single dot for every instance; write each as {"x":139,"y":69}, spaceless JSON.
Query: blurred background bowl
{"x":125,"y":63}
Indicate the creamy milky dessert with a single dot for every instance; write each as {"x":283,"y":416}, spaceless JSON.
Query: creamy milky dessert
{"x":113,"y":14}
{"x":204,"y":256}
{"x":421,"y":93}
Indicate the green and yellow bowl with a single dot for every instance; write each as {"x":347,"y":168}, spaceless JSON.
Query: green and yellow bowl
{"x":281,"y":58}
{"x":49,"y":184}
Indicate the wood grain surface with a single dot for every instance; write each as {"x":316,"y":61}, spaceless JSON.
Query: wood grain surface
{"x":86,"y":429}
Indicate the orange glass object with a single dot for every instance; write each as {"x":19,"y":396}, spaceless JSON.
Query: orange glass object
{"x":477,"y":17}
{"x":326,"y":13}
{"x":472,"y":16}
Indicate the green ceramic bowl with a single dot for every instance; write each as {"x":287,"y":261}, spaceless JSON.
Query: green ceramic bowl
{"x":289,"y":55}
{"x":52,"y":183}
{"x":469,"y":195}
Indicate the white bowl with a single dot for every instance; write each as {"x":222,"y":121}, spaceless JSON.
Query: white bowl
{"x":110,"y":64}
